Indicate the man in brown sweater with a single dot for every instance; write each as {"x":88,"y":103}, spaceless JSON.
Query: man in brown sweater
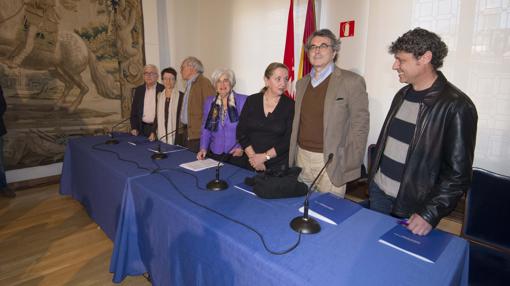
{"x":331,"y":117}
{"x":198,"y":88}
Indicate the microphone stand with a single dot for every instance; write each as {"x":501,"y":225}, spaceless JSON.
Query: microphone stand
{"x":113,"y":141}
{"x":160,"y":155}
{"x":217,"y":184}
{"x":306,"y":224}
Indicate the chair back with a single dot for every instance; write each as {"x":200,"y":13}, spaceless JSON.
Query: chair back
{"x":487,"y":216}
{"x":370,"y":157}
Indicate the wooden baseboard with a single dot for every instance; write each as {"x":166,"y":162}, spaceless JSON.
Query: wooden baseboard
{"x":22,"y":185}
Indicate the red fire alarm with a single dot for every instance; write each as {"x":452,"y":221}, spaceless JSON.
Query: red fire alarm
{"x":347,"y":29}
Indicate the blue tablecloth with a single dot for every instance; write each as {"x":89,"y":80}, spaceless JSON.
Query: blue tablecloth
{"x":93,"y":174}
{"x":179,"y":233}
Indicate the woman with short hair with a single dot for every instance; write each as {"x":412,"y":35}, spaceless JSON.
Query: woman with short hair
{"x":221,"y":116}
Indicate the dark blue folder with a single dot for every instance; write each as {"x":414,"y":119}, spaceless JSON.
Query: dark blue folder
{"x":427,"y":248}
{"x":332,"y":208}
{"x":244,"y":187}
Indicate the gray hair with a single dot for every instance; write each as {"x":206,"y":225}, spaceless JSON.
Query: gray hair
{"x":194,"y":63}
{"x":335,"y":43}
{"x":215,"y":77}
{"x":152,"y":67}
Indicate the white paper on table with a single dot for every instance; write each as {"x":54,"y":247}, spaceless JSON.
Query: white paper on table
{"x":200,"y":165}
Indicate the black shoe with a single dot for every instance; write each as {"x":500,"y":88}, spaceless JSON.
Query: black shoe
{"x":8,"y":193}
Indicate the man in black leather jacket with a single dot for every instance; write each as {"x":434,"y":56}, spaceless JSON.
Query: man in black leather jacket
{"x":424,"y":154}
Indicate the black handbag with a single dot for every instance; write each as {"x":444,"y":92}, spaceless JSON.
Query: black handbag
{"x":278,"y":183}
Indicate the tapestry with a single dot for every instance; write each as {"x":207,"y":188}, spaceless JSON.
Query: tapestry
{"x":67,"y":69}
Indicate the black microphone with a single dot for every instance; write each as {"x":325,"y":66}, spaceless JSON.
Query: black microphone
{"x":160,"y":155}
{"x":113,"y":140}
{"x":305,"y":224}
{"x":217,"y":184}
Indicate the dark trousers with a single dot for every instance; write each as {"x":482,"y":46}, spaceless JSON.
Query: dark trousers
{"x":182,"y":139}
{"x":379,"y":201}
{"x":147,"y":129}
{"x":3,"y":180}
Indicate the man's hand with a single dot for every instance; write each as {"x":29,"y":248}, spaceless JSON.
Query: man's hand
{"x":134,"y":132}
{"x":418,"y":226}
{"x":152,"y":136}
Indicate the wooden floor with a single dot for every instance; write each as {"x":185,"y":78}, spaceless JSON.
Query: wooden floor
{"x":48,"y":239}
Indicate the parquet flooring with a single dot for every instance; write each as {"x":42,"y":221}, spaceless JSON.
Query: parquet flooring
{"x":48,"y":239}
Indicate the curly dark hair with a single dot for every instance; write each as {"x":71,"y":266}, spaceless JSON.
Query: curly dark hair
{"x":417,"y":42}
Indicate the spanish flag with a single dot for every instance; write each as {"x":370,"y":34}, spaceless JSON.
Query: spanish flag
{"x":304,"y":65}
{"x":288,"y":56}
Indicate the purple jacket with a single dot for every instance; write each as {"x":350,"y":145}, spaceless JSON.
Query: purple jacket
{"x":222,"y":140}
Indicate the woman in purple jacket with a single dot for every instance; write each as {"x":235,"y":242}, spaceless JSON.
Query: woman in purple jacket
{"x":218,"y":136}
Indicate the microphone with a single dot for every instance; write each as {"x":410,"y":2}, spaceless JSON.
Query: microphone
{"x":113,"y":141}
{"x":305,"y":224}
{"x":217,"y":184}
{"x":160,"y":155}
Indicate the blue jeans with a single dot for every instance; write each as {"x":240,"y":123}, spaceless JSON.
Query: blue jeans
{"x":3,"y":180}
{"x":379,"y":201}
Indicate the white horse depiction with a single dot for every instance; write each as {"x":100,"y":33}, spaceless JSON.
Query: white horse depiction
{"x":68,"y":60}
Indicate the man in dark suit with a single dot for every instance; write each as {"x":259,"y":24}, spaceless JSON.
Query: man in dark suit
{"x":143,"y":108}
{"x":4,"y":190}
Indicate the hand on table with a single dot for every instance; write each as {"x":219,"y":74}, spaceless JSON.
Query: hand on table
{"x":417,"y":225}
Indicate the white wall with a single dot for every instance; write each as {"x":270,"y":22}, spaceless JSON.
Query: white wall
{"x":247,"y":35}
{"x":352,"y":53}
{"x":384,"y":26}
{"x":477,"y":33}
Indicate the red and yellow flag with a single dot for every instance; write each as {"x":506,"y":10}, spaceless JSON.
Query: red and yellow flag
{"x":304,"y":65}
{"x":288,"y":56}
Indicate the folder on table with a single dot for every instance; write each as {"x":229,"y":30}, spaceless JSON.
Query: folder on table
{"x":331,"y":209}
{"x":245,"y":188}
{"x":427,"y":248}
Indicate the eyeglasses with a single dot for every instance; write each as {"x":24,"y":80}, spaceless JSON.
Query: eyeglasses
{"x":150,"y":74}
{"x":322,"y":47}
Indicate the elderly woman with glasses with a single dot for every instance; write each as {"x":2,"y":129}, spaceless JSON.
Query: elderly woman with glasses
{"x":219,"y":123}
{"x":169,"y":104}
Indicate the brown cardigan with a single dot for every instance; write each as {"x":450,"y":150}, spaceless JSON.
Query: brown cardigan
{"x":201,"y":88}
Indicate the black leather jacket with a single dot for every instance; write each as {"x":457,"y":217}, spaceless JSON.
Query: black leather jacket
{"x":440,"y":157}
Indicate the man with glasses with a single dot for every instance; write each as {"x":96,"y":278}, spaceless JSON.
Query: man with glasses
{"x":143,"y":108}
{"x":331,"y":117}
{"x":198,"y":88}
